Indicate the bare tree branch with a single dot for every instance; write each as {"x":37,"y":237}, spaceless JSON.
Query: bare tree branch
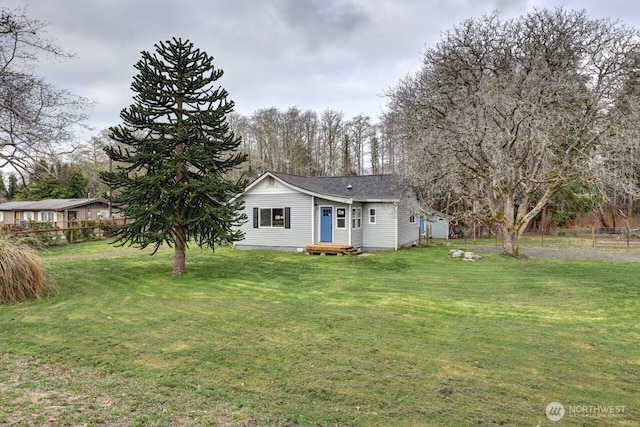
{"x":36,"y":119}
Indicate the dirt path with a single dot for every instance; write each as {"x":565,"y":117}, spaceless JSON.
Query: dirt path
{"x":591,"y":254}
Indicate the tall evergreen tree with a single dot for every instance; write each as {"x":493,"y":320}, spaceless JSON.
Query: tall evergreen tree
{"x":56,"y":181}
{"x":14,"y":186}
{"x":173,"y":152}
{"x":3,"y":187}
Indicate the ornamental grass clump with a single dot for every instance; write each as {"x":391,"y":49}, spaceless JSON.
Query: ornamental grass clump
{"x":23,"y":276}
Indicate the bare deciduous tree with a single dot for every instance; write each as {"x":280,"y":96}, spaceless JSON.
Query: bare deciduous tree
{"x":265,"y":126}
{"x":360,"y":131}
{"x":35,"y":117}
{"x":616,"y":163}
{"x":331,"y":131}
{"x":516,"y":108}
{"x":90,"y":159}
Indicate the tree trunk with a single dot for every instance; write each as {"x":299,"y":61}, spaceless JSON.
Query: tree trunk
{"x":511,"y":225}
{"x":179,"y":258}
{"x":510,"y":240}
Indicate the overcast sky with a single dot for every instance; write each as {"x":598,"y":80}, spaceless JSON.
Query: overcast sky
{"x":313,"y":54}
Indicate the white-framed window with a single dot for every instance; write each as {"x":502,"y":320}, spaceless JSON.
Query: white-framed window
{"x":356,"y":218}
{"x":28,"y":216}
{"x":341,"y":218}
{"x":47,"y":216}
{"x":412,"y":219}
{"x":272,"y":217}
{"x":372,"y":215}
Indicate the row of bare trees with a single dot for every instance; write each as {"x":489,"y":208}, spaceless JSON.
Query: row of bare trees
{"x":306,"y":142}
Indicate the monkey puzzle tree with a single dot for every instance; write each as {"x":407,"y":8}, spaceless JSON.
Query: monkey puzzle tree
{"x":172,"y":153}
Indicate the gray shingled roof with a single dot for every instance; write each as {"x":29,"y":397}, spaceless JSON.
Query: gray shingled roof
{"x":363,"y":187}
{"x":47,"y":205}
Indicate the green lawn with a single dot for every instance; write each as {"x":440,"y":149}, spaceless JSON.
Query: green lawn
{"x":265,"y":338}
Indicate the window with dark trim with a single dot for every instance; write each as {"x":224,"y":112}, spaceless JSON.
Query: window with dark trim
{"x":272,"y":217}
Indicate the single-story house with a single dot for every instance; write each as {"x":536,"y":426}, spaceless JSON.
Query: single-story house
{"x":289,"y":212}
{"x":20,"y":213}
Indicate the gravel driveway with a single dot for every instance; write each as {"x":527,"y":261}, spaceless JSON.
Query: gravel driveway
{"x":595,"y":254}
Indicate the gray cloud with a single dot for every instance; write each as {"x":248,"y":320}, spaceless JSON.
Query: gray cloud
{"x":314,"y":54}
{"x":319,"y":22}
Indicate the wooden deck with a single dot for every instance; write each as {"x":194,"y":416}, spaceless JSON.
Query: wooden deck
{"x":329,"y":249}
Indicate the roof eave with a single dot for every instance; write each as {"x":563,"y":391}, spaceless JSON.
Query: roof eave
{"x":378,"y":200}
{"x":331,"y":198}
{"x":82,"y":203}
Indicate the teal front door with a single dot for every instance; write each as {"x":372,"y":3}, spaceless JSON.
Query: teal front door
{"x":326,"y":224}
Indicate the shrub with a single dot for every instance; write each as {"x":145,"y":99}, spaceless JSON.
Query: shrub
{"x":45,"y":238}
{"x":87,"y":233}
{"x":27,"y":240}
{"x":80,"y":230}
{"x":22,"y":274}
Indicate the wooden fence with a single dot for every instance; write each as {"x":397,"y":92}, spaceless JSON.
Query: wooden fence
{"x":47,"y":233}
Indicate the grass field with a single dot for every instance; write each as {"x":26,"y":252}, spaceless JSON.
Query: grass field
{"x":253,"y":338}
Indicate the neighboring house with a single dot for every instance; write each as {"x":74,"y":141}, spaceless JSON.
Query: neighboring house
{"x":20,"y":213}
{"x":289,"y":212}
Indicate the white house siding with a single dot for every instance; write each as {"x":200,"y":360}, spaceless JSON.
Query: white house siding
{"x":356,"y":233}
{"x":266,"y":196}
{"x":340,"y":235}
{"x":8,"y":217}
{"x":439,"y":226}
{"x":408,"y":232}
{"x":382,"y":234}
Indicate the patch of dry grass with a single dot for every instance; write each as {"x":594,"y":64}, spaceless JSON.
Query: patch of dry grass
{"x":37,"y":393}
{"x":23,"y":276}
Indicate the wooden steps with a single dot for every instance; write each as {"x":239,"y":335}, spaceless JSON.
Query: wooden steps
{"x":329,"y":249}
